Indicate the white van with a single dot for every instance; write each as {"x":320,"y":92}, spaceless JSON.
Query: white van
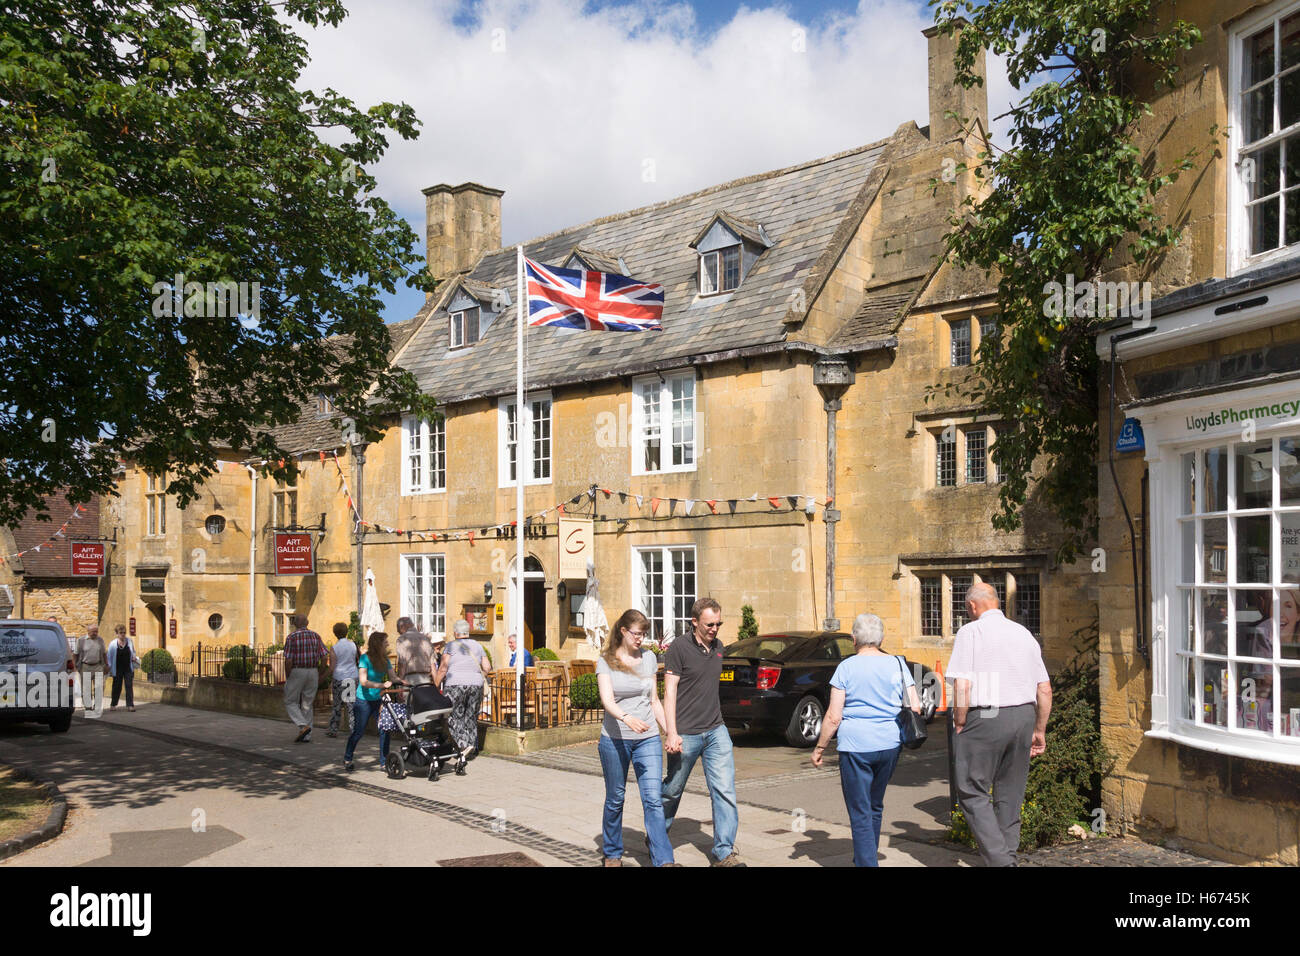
{"x":36,"y":674}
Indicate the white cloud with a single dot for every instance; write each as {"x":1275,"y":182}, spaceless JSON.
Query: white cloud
{"x":579,"y":114}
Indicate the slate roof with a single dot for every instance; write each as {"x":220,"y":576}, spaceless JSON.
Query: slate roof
{"x":310,"y":433}
{"x":803,"y":210}
{"x":880,"y":314}
{"x":53,"y":561}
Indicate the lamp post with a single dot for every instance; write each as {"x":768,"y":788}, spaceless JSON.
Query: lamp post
{"x":832,"y":376}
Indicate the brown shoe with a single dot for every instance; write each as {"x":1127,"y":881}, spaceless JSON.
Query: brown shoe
{"x":733,"y":859}
{"x":613,"y":860}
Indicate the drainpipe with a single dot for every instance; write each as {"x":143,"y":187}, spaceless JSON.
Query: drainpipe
{"x":832,"y":376}
{"x":252,"y":559}
{"x":358,"y":562}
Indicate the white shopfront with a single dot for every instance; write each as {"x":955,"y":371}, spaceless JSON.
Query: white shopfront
{"x":1225,"y":564}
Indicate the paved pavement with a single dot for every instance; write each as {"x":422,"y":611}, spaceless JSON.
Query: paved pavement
{"x":176,"y":786}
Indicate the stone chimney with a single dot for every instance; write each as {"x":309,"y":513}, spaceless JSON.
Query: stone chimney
{"x":461,"y":223}
{"x":945,"y":93}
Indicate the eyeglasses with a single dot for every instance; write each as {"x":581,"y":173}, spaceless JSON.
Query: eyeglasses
{"x":635,"y":633}
{"x":711,"y":627}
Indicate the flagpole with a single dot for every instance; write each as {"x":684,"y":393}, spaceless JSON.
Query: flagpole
{"x":521,"y":310}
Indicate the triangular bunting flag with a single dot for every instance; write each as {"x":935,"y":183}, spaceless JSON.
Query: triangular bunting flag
{"x":559,"y":508}
{"x":794,"y":501}
{"x":622,"y":497}
{"x":690,"y":504}
{"x":713,"y":505}
{"x":753,"y":497}
{"x":731,"y":503}
{"x":775,"y":502}
{"x":654,"y":505}
{"x":606,"y":492}
{"x":672,"y":504}
{"x":471,"y":541}
{"x":638,"y":500}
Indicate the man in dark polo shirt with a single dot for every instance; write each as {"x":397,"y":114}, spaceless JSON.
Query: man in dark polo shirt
{"x":693,"y":713}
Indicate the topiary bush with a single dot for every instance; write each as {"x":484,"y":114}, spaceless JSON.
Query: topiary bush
{"x":545,"y":654}
{"x":354,"y":630}
{"x":239,"y":651}
{"x":157,"y":661}
{"x":748,"y":624}
{"x":584,"y":693}
{"x":239,"y":664}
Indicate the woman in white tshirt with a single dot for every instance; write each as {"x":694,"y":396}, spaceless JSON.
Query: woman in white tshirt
{"x":626,"y":675}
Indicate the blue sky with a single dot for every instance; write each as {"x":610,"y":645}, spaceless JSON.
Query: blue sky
{"x":697,"y":93}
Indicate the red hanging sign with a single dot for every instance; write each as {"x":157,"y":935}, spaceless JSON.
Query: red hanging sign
{"x":294,"y":553}
{"x":87,"y":559}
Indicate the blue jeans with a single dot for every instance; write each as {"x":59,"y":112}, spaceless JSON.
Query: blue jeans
{"x":720,"y":773}
{"x":362,"y":711}
{"x":863,"y":778}
{"x":646,"y":756}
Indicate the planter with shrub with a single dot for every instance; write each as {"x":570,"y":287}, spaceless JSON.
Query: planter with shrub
{"x":240,"y":661}
{"x":159,"y":666}
{"x":544,"y":654}
{"x":584,"y":693}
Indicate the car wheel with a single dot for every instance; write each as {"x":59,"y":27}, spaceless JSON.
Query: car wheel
{"x":396,"y":766}
{"x":805,"y":723}
{"x":61,"y":725}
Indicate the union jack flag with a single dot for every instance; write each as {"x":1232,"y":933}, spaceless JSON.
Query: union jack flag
{"x":595,"y":301}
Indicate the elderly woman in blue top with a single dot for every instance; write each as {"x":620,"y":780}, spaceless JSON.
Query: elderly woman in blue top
{"x":866,"y":697}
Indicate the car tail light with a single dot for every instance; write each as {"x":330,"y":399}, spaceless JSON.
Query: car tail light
{"x":767,"y":677}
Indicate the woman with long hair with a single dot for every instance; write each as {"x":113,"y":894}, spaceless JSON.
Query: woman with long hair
{"x":626,"y":675}
{"x":374,"y":676}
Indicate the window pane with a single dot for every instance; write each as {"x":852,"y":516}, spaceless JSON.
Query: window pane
{"x":1214,"y":622}
{"x":975,"y":455}
{"x":1187,"y":560}
{"x":1254,"y":465}
{"x":1257,"y":113}
{"x":1290,"y":33}
{"x":1254,"y":630}
{"x":989,"y":333}
{"x":1257,"y":57}
{"x":471,"y":326}
{"x":652,"y":590}
{"x":999,"y":581}
{"x":945,"y":460}
{"x":683,"y":589}
{"x":1214,"y":467}
{"x":1187,"y":671}
{"x":1253,"y":541}
{"x":1254,"y":697}
{"x":1288,"y":467}
{"x":1213,"y":682}
{"x":683,"y":421}
{"x":709,"y":272}
{"x":1189,"y":483}
{"x":541,"y":439}
{"x":960,"y":585}
{"x":1263,"y":175}
{"x":960,"y":335}
{"x":1292,"y":200}
{"x":730,"y":268}
{"x":1289,"y":104}
{"x":1028,"y":603}
{"x":512,"y":445}
{"x":1186,"y":632}
{"x":1214,"y":543}
{"x":1288,"y":623}
{"x":1289,"y":718}
{"x":438,"y":454}
{"x":932,"y":607}
{"x":1263,"y":226}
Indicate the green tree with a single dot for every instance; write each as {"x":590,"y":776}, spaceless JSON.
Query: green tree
{"x":142,"y":140}
{"x":1071,"y":196}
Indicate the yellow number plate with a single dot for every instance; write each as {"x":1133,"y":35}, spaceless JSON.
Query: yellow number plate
{"x":728,"y":675}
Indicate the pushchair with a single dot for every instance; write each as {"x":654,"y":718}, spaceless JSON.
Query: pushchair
{"x":426,"y":736}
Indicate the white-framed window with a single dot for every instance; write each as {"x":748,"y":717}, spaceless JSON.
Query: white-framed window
{"x":155,"y":505}
{"x":424,"y":455}
{"x":1264,"y":114}
{"x":941,"y":598}
{"x":537,"y":439}
{"x":959,"y":343}
{"x":284,"y":505}
{"x":424,"y":591}
{"x":464,"y":327}
{"x":720,"y":270}
{"x":664,"y":581}
{"x":1236,"y":639}
{"x":284,"y":603}
{"x":664,"y":424}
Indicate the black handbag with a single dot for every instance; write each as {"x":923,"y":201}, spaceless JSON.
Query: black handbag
{"x":910,"y":723}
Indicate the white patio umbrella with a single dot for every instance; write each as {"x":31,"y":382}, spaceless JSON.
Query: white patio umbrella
{"x":594,"y":621}
{"x":372,"y":619}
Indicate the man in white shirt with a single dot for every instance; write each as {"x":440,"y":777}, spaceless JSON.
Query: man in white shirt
{"x":1003,"y":698}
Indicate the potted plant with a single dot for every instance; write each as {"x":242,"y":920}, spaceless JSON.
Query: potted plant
{"x":159,"y":666}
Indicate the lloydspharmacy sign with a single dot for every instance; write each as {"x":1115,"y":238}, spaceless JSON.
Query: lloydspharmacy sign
{"x":1231,"y":416}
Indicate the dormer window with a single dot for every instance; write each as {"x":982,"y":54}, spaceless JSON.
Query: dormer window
{"x":728,"y":248}
{"x":464,"y":327}
{"x":324,"y":405}
{"x":720,"y":270}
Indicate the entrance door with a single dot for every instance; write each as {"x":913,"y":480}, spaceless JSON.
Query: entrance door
{"x":159,"y":615}
{"x":534,"y":635}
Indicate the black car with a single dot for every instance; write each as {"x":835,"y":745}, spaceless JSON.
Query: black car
{"x":781,"y":683}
